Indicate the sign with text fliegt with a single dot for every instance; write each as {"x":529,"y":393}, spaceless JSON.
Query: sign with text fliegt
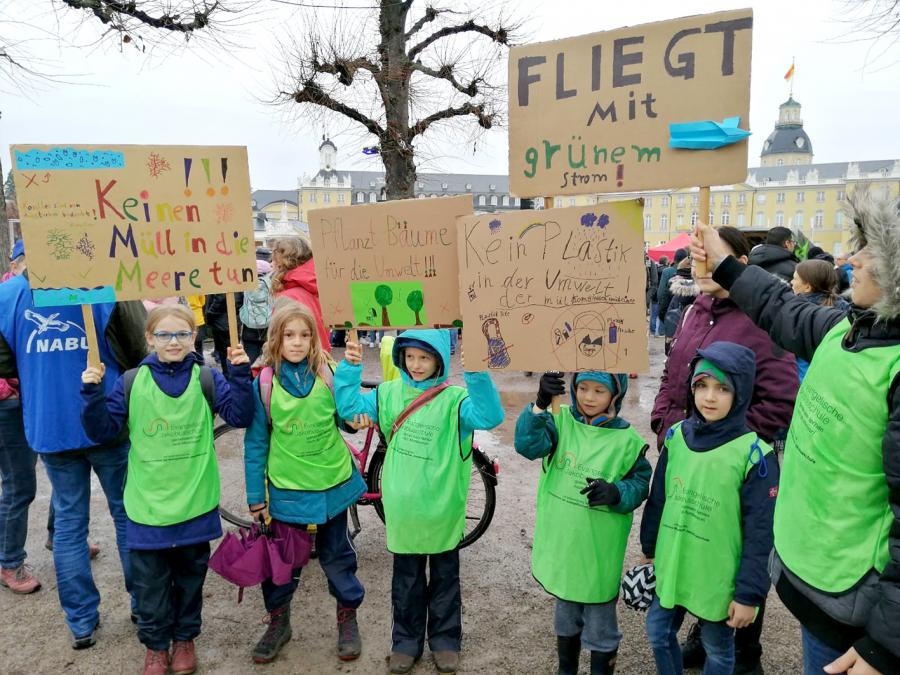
{"x":560,"y":289}
{"x":389,"y":264}
{"x":660,"y":105}
{"x":125,"y":222}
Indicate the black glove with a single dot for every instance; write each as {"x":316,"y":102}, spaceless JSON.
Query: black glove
{"x":601,"y":493}
{"x":552,"y":384}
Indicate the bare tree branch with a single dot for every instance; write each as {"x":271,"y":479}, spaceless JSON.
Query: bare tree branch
{"x":431,"y":13}
{"x":112,"y":11}
{"x":499,"y":35}
{"x":344,"y":69}
{"x":485,"y":119}
{"x":445,"y":72}
{"x":311,"y":92}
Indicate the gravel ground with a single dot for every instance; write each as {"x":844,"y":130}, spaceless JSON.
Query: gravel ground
{"x":507,"y":618}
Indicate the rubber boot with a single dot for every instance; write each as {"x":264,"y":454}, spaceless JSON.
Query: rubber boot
{"x":603,"y":663}
{"x":693,"y":655}
{"x":349,"y":642}
{"x":276,"y":636}
{"x":569,"y":650}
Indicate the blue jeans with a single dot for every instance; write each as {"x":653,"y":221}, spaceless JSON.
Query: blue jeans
{"x":656,"y":327}
{"x":338,"y":560}
{"x":17,"y":463}
{"x":816,"y":654}
{"x":70,"y":477}
{"x":662,"y":632}
{"x":596,"y":624}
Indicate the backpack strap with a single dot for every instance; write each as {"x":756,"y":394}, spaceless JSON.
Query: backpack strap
{"x":207,"y":384}
{"x":419,"y":401}
{"x":265,"y":390}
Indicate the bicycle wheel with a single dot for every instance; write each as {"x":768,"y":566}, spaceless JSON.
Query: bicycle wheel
{"x":479,"y":506}
{"x":230,"y":455}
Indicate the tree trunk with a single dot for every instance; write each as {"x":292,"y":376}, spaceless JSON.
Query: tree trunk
{"x":385,"y":320}
{"x":418,"y":319}
{"x":5,"y":239}
{"x":393,"y":83}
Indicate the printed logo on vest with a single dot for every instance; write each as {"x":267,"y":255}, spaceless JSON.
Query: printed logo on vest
{"x":566,"y":460}
{"x":676,"y":489}
{"x":43,"y":338}
{"x":293,"y":426}
{"x":155,"y":426}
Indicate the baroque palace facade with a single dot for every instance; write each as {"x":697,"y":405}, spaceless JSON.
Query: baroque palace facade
{"x":786,"y":189}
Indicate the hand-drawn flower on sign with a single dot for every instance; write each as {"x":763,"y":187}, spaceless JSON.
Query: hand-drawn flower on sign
{"x":224,"y":213}
{"x":60,"y":244}
{"x":157,"y":164}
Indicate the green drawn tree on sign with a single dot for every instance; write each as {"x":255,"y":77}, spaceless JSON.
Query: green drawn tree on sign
{"x":415,"y":301}
{"x":384,"y":296}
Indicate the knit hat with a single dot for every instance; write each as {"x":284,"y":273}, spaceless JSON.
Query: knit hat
{"x":706,"y":368}
{"x":18,"y":249}
{"x":596,"y":376}
{"x":263,"y":267}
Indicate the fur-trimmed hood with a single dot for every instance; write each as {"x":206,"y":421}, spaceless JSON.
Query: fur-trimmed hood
{"x":875,"y":223}
{"x":683,"y":287}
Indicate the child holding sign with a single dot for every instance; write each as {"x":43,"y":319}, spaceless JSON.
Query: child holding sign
{"x":428,"y":426}
{"x":294,"y":444}
{"x":708,"y":521}
{"x":167,"y":405}
{"x":594,"y":476}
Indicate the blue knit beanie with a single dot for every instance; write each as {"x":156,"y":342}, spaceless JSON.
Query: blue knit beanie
{"x":605,"y":379}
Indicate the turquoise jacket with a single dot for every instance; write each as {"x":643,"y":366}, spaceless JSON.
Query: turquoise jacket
{"x":481,"y":409}
{"x":291,"y":506}
{"x":537,"y":437}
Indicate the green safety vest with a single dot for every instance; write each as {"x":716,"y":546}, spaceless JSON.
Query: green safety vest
{"x":172,"y":471}
{"x":306,"y":450}
{"x":698,"y":550}
{"x":578,"y":549}
{"x":425,"y":479}
{"x":833,"y":516}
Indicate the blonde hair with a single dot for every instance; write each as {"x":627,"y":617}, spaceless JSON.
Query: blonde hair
{"x":292,"y":252}
{"x":160,"y":312}
{"x":285,"y":311}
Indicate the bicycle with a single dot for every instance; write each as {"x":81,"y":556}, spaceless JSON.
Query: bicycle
{"x":479,"y":506}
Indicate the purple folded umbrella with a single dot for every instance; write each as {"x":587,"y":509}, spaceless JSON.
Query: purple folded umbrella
{"x":249,"y":557}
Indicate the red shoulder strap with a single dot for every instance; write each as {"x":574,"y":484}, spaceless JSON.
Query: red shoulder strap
{"x":265,"y":390}
{"x":419,"y":401}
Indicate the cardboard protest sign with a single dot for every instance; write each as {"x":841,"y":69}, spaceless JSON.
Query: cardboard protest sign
{"x":389,"y":264}
{"x":561,"y":289}
{"x":591,"y":114}
{"x":104,"y":223}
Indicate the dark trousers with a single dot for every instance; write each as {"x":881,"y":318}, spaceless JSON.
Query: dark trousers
{"x":747,"y":647}
{"x":434,"y":603}
{"x":253,"y":339}
{"x":18,"y":486}
{"x":168,"y":586}
{"x":338,"y":560}
{"x":220,"y":340}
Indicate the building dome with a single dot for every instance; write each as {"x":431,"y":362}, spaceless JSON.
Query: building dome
{"x":788,"y":143}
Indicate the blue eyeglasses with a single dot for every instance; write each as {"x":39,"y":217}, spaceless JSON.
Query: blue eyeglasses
{"x":165,"y":336}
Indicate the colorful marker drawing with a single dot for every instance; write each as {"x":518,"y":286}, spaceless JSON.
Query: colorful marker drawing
{"x":388,"y":303}
{"x":497,"y":349}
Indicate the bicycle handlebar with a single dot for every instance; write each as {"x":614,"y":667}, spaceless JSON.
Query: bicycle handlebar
{"x":370,"y":384}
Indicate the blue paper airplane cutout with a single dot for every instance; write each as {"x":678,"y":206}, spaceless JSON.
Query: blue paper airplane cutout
{"x":707,"y":135}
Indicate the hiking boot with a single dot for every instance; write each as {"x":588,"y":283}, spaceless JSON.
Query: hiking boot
{"x":693,"y":655}
{"x":93,"y":549}
{"x":156,"y":663}
{"x":349,"y":642}
{"x":89,"y":640}
{"x":184,"y":658}
{"x":743,"y":667}
{"x":603,"y":663}
{"x":446,"y":662}
{"x":401,"y":663}
{"x":20,"y":580}
{"x":569,"y":650}
{"x":276,"y":636}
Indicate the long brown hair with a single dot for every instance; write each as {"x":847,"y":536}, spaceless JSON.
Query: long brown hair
{"x":821,"y":277}
{"x":289,"y":253}
{"x":285,"y":311}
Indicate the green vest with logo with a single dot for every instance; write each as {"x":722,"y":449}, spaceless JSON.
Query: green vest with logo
{"x":306,"y":450}
{"x":833,"y":517}
{"x":578,"y":549}
{"x":172,"y":471}
{"x":698,"y":550}
{"x":425,"y":479}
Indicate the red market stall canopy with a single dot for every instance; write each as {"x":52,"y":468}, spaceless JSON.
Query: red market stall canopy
{"x":668,"y":249}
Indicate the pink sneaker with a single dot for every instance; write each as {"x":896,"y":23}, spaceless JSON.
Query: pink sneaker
{"x":20,"y":580}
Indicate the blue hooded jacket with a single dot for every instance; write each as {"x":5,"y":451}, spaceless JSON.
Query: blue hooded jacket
{"x":537,"y":437}
{"x":759,"y":489}
{"x":481,"y":409}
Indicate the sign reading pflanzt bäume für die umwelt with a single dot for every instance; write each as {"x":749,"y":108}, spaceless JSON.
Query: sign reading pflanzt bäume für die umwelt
{"x":591,"y":114}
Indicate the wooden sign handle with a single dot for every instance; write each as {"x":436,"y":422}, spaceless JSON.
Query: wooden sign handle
{"x":90,"y":331}
{"x":233,"y":338}
{"x":702,"y":216}
{"x":352,"y":335}
{"x":554,"y":402}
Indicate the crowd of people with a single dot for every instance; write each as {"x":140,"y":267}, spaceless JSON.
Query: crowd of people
{"x":759,"y":480}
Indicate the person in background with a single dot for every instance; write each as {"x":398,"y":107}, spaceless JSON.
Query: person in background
{"x":256,"y":311}
{"x":215,"y":313}
{"x":50,"y":380}
{"x":816,"y":281}
{"x":836,"y":564}
{"x":683,"y":290}
{"x":195,"y":303}
{"x":294,"y":276}
{"x":663,"y":296}
{"x":776,"y":256}
{"x":844,"y":270}
{"x":652,"y":287}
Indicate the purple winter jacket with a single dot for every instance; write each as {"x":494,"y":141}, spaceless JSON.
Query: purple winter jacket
{"x":709,"y":320}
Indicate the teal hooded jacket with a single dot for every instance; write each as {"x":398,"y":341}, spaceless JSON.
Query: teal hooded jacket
{"x":481,"y":409}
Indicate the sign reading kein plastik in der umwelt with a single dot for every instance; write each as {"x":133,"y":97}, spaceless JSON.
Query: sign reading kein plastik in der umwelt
{"x":592,"y":114}
{"x":104,"y":223}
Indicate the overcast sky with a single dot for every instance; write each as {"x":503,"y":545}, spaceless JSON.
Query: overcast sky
{"x":200,"y":96}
